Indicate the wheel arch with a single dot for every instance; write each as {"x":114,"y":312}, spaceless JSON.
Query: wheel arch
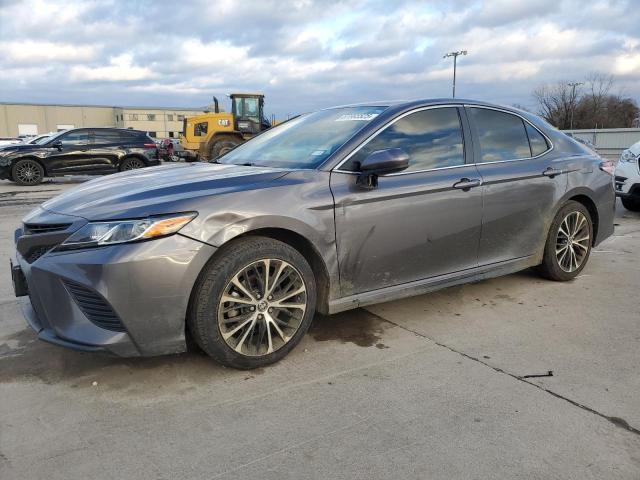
{"x":590,"y":205}
{"x":30,"y":157}
{"x":299,"y":242}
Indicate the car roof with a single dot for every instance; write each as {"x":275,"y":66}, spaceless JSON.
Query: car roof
{"x":426,"y":102}
{"x":108,"y":128}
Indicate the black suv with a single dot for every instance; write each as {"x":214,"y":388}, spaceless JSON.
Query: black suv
{"x":84,"y":151}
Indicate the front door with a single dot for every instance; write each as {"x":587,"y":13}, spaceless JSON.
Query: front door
{"x":522,"y":182}
{"x":72,"y":156}
{"x":415,"y":224}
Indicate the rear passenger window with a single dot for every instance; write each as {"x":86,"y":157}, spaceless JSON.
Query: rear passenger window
{"x":432,"y":138}
{"x":106,"y":136}
{"x":537,"y":141}
{"x":502,"y":135}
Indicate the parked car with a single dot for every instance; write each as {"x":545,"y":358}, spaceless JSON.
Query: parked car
{"x":330,"y":211}
{"x":85,"y":151}
{"x":4,"y":141}
{"x":628,"y":178}
{"x":37,"y":139}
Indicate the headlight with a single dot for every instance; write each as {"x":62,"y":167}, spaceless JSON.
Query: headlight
{"x":98,"y":234}
{"x":627,"y":156}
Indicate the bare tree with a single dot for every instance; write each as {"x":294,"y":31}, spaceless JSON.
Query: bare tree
{"x":598,"y":88}
{"x":596,"y":108}
{"x":556,"y":102}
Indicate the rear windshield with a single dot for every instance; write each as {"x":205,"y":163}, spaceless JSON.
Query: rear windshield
{"x":305,"y":141}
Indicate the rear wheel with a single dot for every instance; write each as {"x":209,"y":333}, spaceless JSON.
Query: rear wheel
{"x":632,"y":204}
{"x":132,"y":163}
{"x":253,"y":304}
{"x":223,"y":145}
{"x":27,"y":172}
{"x":568,"y":244}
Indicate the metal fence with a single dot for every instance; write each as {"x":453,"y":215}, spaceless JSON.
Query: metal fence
{"x":609,"y":142}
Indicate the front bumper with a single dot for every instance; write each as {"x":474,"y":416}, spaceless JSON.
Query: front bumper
{"x":627,"y":179}
{"x":147,"y":285}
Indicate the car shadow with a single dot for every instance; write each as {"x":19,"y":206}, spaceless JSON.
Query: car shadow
{"x":23,"y":358}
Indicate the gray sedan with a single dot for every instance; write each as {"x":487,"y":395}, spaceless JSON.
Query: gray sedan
{"x":329,"y":211}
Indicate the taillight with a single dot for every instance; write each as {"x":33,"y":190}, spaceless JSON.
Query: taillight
{"x":150,"y":145}
{"x":607,"y":167}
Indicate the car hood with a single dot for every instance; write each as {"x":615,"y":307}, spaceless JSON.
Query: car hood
{"x":19,"y":147}
{"x":635,"y":149}
{"x":158,"y":190}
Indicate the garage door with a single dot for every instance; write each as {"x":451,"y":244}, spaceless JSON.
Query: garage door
{"x":27,"y":129}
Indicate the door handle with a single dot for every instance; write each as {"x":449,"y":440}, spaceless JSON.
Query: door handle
{"x":466,"y":184}
{"x":551,"y":172}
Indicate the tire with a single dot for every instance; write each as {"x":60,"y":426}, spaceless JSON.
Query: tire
{"x":223,"y":145}
{"x":132,"y":163}
{"x":569,"y":242}
{"x":632,"y":204}
{"x":27,"y":172}
{"x":271,"y":318}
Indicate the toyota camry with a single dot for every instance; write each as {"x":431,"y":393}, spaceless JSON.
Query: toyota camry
{"x":330,"y":211}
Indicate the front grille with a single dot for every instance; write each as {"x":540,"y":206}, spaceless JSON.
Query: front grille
{"x":95,"y":308}
{"x":34,"y":253}
{"x":34,"y":228}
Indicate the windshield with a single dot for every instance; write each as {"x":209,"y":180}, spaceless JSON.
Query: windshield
{"x":39,"y":140}
{"x":50,"y":140}
{"x":305,"y":141}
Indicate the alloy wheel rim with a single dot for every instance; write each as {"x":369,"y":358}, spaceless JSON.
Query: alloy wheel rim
{"x":133,"y":164}
{"x":262,"y":307}
{"x":572,"y":242}
{"x":28,"y":173}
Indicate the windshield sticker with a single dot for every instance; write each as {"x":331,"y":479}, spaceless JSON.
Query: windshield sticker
{"x":318,"y":152}
{"x":356,"y":117}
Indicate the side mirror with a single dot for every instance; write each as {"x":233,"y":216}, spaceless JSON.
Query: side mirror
{"x":57,"y":145}
{"x":381,"y":162}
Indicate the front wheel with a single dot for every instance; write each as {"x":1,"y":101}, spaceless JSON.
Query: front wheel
{"x":27,"y":172}
{"x":253,"y":304}
{"x":632,"y":204}
{"x":568,"y":243}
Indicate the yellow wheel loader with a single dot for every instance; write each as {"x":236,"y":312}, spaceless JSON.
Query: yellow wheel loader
{"x":210,"y":135}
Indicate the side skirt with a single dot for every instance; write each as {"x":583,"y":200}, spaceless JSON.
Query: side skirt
{"x":432,"y":284}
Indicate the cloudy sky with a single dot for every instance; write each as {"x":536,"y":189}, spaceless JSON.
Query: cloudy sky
{"x":308,"y":54}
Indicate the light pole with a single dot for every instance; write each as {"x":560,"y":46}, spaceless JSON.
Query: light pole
{"x":455,"y":61}
{"x":573,"y":86}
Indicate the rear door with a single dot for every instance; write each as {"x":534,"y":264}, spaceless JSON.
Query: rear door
{"x":522,"y":182}
{"x":106,"y":148}
{"x":415,"y":224}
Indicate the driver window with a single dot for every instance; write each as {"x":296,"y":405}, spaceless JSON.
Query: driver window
{"x":75,"y":138}
{"x":432,"y":138}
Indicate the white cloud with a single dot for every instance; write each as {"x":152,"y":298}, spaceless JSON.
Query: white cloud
{"x":34,"y":52}
{"x":120,"y":69}
{"x":308,"y":54}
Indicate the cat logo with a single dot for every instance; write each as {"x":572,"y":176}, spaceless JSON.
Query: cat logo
{"x":223,"y":122}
